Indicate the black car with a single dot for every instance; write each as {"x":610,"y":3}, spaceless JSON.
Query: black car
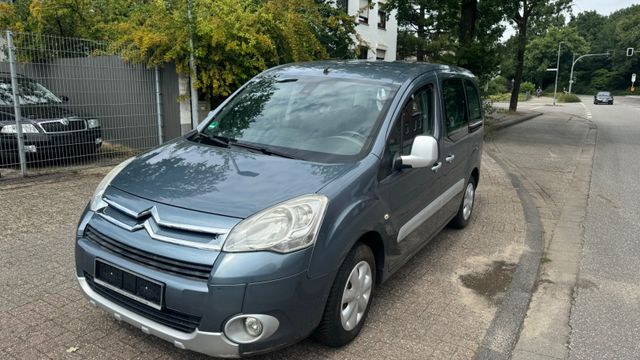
{"x":603,"y":97}
{"x":50,"y":130}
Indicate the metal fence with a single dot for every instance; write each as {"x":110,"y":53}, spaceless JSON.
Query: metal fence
{"x":68,"y":103}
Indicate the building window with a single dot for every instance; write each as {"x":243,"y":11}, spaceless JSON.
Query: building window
{"x":380,"y":54}
{"x":382,"y":19}
{"x":343,"y":5}
{"x":364,"y":52}
{"x":363,"y":11}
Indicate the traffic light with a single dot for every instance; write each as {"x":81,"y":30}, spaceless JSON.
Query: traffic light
{"x":629,"y":51}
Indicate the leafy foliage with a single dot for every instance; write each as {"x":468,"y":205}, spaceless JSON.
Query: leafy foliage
{"x":568,"y":98}
{"x":233,"y":39}
{"x":527,"y":87}
{"x":464,"y":33}
{"x":613,"y":34}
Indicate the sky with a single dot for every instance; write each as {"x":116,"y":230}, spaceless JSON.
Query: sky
{"x":603,"y":7}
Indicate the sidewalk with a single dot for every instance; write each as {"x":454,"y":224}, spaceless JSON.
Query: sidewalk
{"x":527,"y":110}
{"x":553,"y":158}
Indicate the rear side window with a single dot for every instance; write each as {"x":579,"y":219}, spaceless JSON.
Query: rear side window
{"x":454,"y":104}
{"x":473,"y":100}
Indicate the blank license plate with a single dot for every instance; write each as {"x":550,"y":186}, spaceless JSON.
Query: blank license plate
{"x":134,"y":286}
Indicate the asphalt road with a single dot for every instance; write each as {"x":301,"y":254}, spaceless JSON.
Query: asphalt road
{"x":605,"y":318}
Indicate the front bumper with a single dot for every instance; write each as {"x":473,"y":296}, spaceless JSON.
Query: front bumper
{"x":269,"y":284}
{"x":209,"y":343}
{"x":52,"y":143}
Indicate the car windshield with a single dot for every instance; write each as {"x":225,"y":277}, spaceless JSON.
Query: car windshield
{"x":29,"y":92}
{"x":322,"y":119}
{"x":604,"y":93}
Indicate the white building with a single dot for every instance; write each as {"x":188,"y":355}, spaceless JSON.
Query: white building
{"x":377,"y":31}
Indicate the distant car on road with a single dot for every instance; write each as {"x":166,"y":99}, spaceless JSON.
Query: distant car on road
{"x":50,"y":130}
{"x":603,"y":97}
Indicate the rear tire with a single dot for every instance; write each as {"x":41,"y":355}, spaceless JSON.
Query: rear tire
{"x":463,"y":217}
{"x":349,"y":300}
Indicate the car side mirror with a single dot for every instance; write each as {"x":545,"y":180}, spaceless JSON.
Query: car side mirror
{"x":64,"y":98}
{"x":424,"y":152}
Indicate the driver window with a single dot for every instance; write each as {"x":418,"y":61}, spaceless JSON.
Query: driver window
{"x":416,"y":118}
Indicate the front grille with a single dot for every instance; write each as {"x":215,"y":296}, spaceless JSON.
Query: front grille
{"x":57,"y":126}
{"x":182,"y":268}
{"x":173,"y":319}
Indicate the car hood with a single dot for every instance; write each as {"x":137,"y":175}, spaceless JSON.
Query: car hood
{"x":221,"y":181}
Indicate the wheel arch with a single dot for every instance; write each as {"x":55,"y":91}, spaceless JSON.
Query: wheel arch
{"x":374,"y":241}
{"x":475,"y":174}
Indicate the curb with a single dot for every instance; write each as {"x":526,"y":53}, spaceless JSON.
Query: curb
{"x":503,"y":124}
{"x":502,"y":335}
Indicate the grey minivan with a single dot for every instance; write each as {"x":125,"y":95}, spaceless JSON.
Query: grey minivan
{"x":279,"y":215}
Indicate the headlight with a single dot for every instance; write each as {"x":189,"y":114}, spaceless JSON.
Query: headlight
{"x":26,"y":129}
{"x":96,"y":201}
{"x":93,"y":123}
{"x":286,"y":227}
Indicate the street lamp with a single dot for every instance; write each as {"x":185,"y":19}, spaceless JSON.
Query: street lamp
{"x":555,"y":88}
{"x":574,"y":63}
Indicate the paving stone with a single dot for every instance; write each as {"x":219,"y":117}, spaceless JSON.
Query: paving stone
{"x":422,"y":312}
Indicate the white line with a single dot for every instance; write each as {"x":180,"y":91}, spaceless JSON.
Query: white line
{"x":587,"y":112}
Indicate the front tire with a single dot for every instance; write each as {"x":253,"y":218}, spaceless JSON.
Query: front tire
{"x":465,"y":210}
{"x":349,"y":300}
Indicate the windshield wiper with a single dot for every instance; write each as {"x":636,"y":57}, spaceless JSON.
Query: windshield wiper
{"x":261,"y":149}
{"x":215,"y":139}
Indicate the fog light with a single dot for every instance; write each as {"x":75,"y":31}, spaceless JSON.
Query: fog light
{"x":253,"y":326}
{"x":98,"y":141}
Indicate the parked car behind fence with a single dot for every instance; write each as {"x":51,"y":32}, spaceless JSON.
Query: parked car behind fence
{"x":80,"y":104}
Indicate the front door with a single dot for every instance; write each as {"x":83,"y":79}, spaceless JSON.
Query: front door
{"x":408,"y":192}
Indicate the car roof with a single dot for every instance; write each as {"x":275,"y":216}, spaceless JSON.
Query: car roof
{"x":385,"y":71}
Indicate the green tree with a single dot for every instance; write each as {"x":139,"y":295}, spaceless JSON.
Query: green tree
{"x":543,"y":51}
{"x":233,"y":39}
{"x":464,"y":33}
{"x":523,"y":14}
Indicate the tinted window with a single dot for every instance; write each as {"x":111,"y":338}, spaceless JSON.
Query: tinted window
{"x":314,"y":118}
{"x":416,"y":118}
{"x":475,"y":112}
{"x":454,"y":104}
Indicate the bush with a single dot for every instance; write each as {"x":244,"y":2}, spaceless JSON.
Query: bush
{"x":497,"y":85}
{"x":505,"y":97}
{"x":527,"y":86}
{"x":568,"y":98}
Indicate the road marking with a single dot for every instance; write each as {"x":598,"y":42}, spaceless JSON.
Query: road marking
{"x":587,"y":112}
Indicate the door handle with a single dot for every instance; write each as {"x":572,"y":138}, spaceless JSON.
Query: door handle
{"x":450,"y":158}
{"x":436,"y":166}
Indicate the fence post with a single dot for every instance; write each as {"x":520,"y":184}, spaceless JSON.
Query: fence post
{"x":158,"y":106}
{"x":16,"y":103}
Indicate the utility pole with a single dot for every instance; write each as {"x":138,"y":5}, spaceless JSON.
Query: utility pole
{"x":555,"y":88}
{"x":574,"y":63}
{"x":194,"y":74}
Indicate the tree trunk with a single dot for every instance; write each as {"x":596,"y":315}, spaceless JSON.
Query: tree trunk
{"x":420,"y":53}
{"x":522,"y":44}
{"x":468,"y":17}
